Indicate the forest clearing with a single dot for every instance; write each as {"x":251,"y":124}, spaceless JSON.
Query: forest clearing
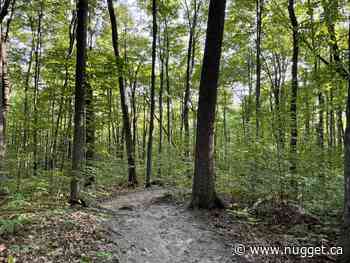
{"x":167,"y":131}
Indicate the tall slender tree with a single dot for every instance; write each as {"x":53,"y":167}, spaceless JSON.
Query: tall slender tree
{"x":37,"y":73}
{"x":160,"y":103}
{"x":80,"y":90}
{"x":293,"y":99}
{"x":126,"y":122}
{"x":4,"y":79}
{"x":153,"y":83}
{"x":167,"y":77}
{"x":203,"y":189}
{"x":192,"y":24}
{"x":259,"y":10}
{"x":345,"y":233}
{"x":89,"y":100}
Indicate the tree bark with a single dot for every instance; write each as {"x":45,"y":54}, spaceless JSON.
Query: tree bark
{"x":36,"y":89}
{"x":90,"y":123}
{"x":4,"y":80}
{"x":168,"y":100}
{"x":80,"y":90}
{"x":320,"y":120}
{"x":4,"y":10}
{"x":293,"y":101}
{"x":259,"y":8}
{"x":5,"y":92}
{"x":153,"y":80}
{"x":160,"y":98}
{"x":345,"y":233}
{"x":203,"y":189}
{"x":189,"y":69}
{"x":132,"y":180}
{"x":90,"y":109}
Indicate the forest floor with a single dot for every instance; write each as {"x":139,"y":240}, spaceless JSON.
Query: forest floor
{"x":156,"y":226}
{"x":150,"y":227}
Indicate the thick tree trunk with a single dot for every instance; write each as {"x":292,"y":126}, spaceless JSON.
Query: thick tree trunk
{"x":153,"y":83}
{"x":126,"y":123}
{"x":293,"y":101}
{"x":80,"y":90}
{"x":203,"y":189}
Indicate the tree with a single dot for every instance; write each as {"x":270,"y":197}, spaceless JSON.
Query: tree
{"x":259,"y":10}
{"x":90,"y":104}
{"x":126,"y":122}
{"x":153,"y":83}
{"x":293,"y":100}
{"x":192,"y":24}
{"x":345,"y":236}
{"x":37,"y":73}
{"x":4,"y":78}
{"x":80,"y":90}
{"x":203,"y":189}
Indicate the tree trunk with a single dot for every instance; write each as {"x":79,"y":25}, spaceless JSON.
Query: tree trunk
{"x":331,"y":121}
{"x":168,"y":100}
{"x":90,"y":123}
{"x":153,"y":83}
{"x":72,"y":27}
{"x":189,"y":69}
{"x":126,"y":123}
{"x":36,"y":90}
{"x":4,"y":78}
{"x":340,"y":128}
{"x":134,"y":115}
{"x":203,"y":189}
{"x":161,"y":88}
{"x":293,"y":102}
{"x":80,"y":90}
{"x":345,"y":233}
{"x":144,"y":129}
{"x":26,"y":106}
{"x":320,"y":120}
{"x":259,"y":8}
{"x":90,"y":111}
{"x":5,"y":92}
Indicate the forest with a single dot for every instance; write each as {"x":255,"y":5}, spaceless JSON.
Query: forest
{"x":168,"y":131}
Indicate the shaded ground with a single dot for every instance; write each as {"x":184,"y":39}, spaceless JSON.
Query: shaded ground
{"x":58,"y":236}
{"x":148,"y":228}
{"x":154,"y":226}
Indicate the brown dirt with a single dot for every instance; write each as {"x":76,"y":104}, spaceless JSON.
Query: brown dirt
{"x":148,"y":228}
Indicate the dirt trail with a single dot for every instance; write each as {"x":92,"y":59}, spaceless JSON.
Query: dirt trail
{"x":147,"y":230}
